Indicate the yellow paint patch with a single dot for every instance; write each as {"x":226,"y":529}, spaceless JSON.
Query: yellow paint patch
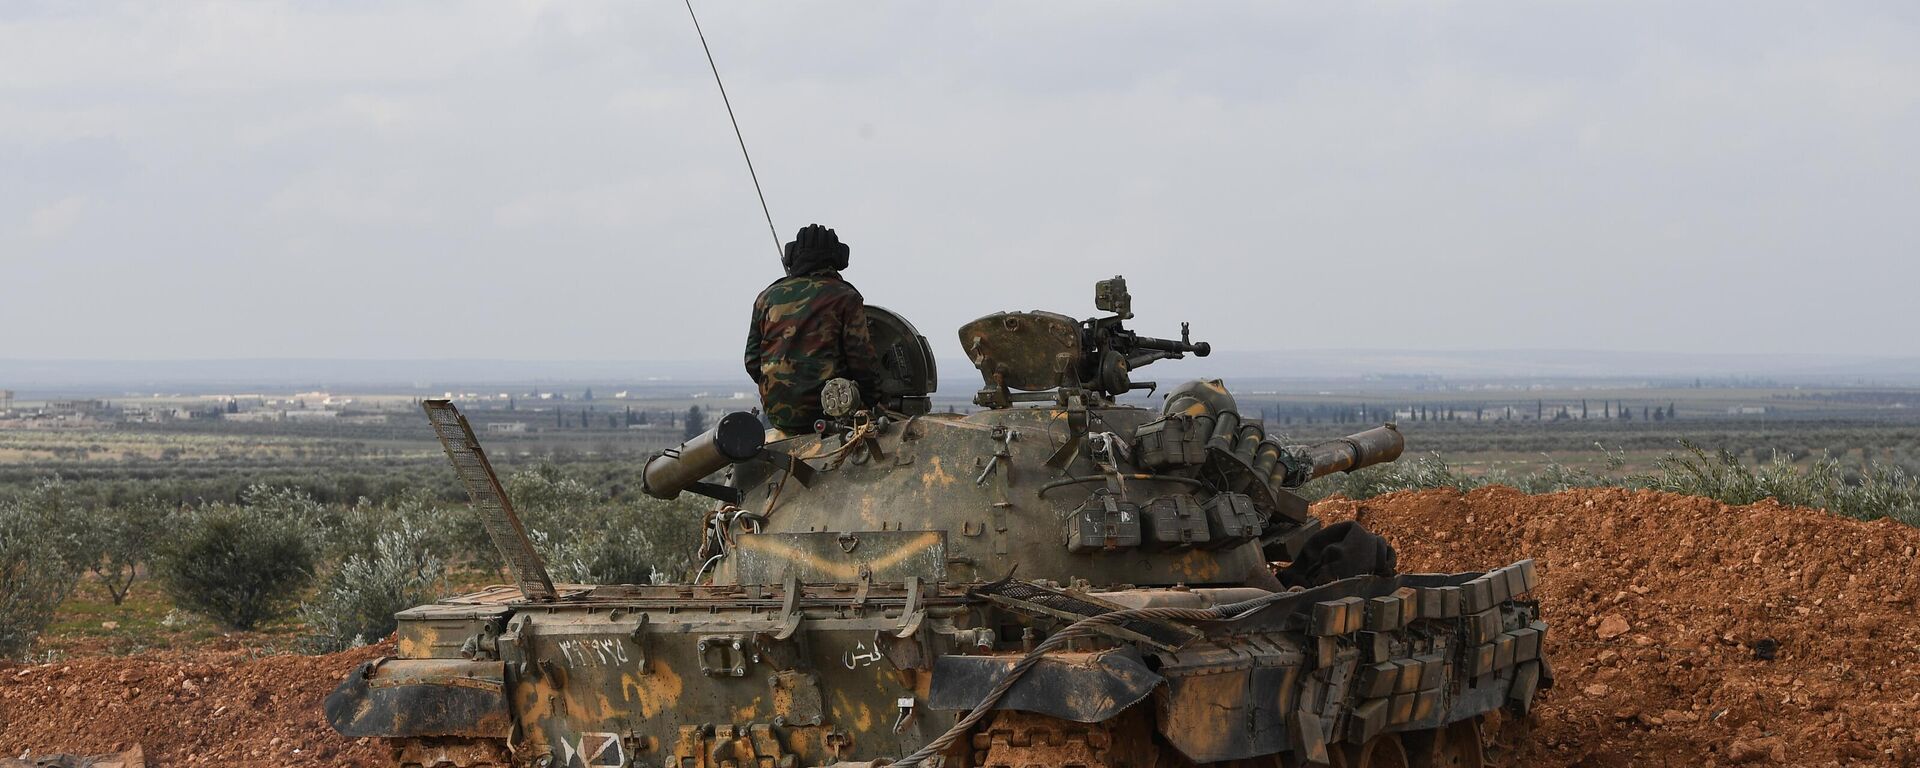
{"x":750,"y":711}
{"x":841,"y":570}
{"x":653,"y":693}
{"x":935,"y":475}
{"x":853,"y":713}
{"x":1197,"y":565}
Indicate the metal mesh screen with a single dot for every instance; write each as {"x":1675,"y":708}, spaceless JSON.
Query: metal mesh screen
{"x":489,"y":500}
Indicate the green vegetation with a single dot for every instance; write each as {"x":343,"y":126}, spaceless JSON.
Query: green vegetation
{"x":1877,"y":491}
{"x":1867,"y":493}
{"x":43,"y":553}
{"x":242,"y":565}
{"x":358,"y":600}
{"x":324,"y":574}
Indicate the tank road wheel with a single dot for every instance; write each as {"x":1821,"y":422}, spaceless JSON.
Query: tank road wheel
{"x":1382,"y":751}
{"x":1025,"y":740}
{"x":451,"y":752}
{"x":1456,"y":745}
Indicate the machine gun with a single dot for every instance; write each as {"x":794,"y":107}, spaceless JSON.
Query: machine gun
{"x":1112,"y":351}
{"x":1045,"y":356}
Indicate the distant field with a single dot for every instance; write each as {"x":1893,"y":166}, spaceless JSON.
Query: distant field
{"x":1477,"y":428}
{"x":1472,"y":430}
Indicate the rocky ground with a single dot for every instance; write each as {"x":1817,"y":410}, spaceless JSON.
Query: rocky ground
{"x":1689,"y":633}
{"x":1686,"y":633}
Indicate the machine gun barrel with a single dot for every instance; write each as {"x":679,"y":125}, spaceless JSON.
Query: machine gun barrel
{"x":737,"y":438}
{"x":1181,"y":346}
{"x":1365,"y":449}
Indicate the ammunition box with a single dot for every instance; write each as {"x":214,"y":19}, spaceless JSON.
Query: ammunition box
{"x":1171,"y":442}
{"x":1174,"y":520}
{"x":1232,"y":519}
{"x":1102,"y":523}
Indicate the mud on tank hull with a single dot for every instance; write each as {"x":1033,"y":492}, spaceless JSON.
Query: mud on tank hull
{"x":1352,"y":672}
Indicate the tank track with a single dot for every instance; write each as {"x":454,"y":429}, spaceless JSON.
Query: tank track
{"x":450,"y":752}
{"x":1025,"y":740}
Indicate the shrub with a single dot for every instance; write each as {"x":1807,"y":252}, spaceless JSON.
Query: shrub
{"x":122,"y":539}
{"x":634,"y":543}
{"x":442,"y":531}
{"x":1881,"y":491}
{"x":241,"y":566}
{"x":357,"y":602}
{"x":42,"y":556}
{"x":1418,"y":474}
{"x":588,"y":538}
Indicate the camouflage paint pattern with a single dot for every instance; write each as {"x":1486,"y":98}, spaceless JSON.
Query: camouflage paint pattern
{"x":808,"y":329}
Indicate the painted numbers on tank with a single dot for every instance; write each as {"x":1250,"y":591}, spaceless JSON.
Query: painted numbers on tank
{"x":594,"y":652}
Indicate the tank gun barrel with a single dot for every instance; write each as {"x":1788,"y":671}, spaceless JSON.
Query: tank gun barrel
{"x":1357,"y":451}
{"x":737,"y":438}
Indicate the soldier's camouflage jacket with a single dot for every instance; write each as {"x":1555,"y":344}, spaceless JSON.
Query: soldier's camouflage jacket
{"x":808,"y":329}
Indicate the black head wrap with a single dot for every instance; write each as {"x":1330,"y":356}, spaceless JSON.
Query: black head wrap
{"x":814,"y":249}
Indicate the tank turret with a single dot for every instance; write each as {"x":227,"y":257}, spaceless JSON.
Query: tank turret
{"x":1057,"y":577}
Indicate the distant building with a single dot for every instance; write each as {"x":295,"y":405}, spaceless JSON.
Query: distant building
{"x":88,"y":408}
{"x":507,"y":427}
{"x":146,"y":414}
{"x":1747,"y":410}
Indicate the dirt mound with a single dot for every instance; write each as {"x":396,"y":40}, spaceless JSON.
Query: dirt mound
{"x":1687,"y":632}
{"x":225,"y":708}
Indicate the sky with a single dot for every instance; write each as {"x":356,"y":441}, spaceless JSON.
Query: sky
{"x":558,"y":180}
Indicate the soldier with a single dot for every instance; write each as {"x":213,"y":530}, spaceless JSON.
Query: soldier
{"x":809,"y":327}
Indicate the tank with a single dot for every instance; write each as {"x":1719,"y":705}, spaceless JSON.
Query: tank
{"x":1053,"y":579}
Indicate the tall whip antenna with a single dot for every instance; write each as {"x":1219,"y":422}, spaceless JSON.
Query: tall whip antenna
{"x":736,"y":129}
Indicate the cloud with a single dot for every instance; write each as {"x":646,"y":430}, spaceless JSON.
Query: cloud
{"x":1612,"y":175}
{"x":54,"y":220}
